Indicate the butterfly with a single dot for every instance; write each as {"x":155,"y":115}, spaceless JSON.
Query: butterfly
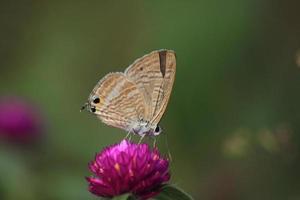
{"x":136,"y":99}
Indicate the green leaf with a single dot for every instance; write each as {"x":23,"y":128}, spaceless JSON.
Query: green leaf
{"x":170,"y":192}
{"x":124,"y":197}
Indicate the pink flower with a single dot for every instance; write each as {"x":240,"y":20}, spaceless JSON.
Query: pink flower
{"x":128,"y":168}
{"x":19,"y":121}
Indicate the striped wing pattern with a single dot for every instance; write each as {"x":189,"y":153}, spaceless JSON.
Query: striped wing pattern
{"x":121,"y":103}
{"x":141,"y":92}
{"x":154,"y":76}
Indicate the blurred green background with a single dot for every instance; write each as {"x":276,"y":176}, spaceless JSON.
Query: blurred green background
{"x":232,"y":121}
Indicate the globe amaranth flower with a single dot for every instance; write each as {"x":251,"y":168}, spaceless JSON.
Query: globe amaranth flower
{"x":128,"y":168}
{"x":19,"y":121}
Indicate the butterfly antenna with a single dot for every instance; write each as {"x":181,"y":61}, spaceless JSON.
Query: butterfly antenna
{"x":167,"y":146}
{"x":83,"y":107}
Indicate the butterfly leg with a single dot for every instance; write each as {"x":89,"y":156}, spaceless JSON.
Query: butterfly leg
{"x":128,"y":136}
{"x":142,"y":137}
{"x":167,"y":146}
{"x":154,"y":142}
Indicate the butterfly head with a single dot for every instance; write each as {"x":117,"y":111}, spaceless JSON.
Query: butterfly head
{"x":87,"y":106}
{"x":90,"y":105}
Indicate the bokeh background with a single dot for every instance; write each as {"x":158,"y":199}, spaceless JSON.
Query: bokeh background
{"x":233,"y":119}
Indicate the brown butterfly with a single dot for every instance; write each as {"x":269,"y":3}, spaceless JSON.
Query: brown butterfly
{"x":136,"y":99}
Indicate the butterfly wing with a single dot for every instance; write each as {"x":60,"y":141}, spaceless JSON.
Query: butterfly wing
{"x":154,"y":76}
{"x":119,"y":102}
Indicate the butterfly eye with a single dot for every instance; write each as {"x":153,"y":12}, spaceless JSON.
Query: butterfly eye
{"x":93,"y":109}
{"x":96,"y":100}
